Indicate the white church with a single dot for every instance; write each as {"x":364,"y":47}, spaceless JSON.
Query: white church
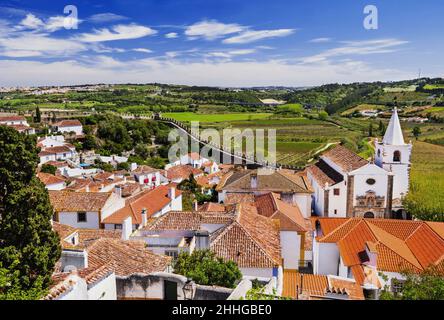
{"x":346,"y":185}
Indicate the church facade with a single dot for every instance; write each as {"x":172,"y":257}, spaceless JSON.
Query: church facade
{"x":346,"y":185}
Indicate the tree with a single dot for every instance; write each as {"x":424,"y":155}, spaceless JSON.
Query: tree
{"x":123,"y":166}
{"x":370,"y":130}
{"x":322,"y":115}
{"x":189,"y":185}
{"x":206,"y":269}
{"x":428,"y":285}
{"x":381,"y":127}
{"x":47,"y":168}
{"x":29,"y":248}
{"x":38,"y":115}
{"x":416,"y":131}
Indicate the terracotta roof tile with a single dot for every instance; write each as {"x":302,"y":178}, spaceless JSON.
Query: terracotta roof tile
{"x":127,"y":257}
{"x":347,"y":160}
{"x":252,"y":241}
{"x":48,"y":179}
{"x":153,"y":201}
{"x":270,"y":205}
{"x":182,"y":172}
{"x":78,"y":201}
{"x":68,"y":123}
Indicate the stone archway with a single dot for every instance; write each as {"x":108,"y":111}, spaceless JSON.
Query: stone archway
{"x":369,"y":215}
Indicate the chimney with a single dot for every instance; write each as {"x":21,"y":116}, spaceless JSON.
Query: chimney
{"x":87,"y":188}
{"x":372,"y":253}
{"x":73,"y":259}
{"x":118,"y":191}
{"x":144,"y":218}
{"x":127,"y":228}
{"x":202,"y":239}
{"x":195,"y":205}
{"x":253,"y":180}
{"x":172,"y":193}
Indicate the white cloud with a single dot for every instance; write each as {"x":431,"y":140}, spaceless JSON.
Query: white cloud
{"x":366,"y":47}
{"x":119,"y":32}
{"x":320,"y":40}
{"x":31,"y":22}
{"x":253,"y":35}
{"x":171,"y":35}
{"x":106,"y":17}
{"x":211,"y":30}
{"x":222,"y":73}
{"x":142,"y":50}
{"x":30,"y":44}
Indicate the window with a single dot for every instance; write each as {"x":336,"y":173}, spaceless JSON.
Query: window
{"x":118,"y":227}
{"x":171,"y":253}
{"x":336,"y":211}
{"x":81,"y":216}
{"x":336,"y":192}
{"x":397,"y":285}
{"x":371,"y":181}
{"x":379,"y":152}
{"x":397,"y":156}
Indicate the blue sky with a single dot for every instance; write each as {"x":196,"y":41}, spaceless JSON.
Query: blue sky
{"x":218,"y":43}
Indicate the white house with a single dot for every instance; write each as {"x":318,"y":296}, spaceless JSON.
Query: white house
{"x":193,"y":159}
{"x":294,"y":229}
{"x":149,"y":204}
{"x":346,"y":185}
{"x":19,"y":123}
{"x":374,"y":252}
{"x":147,"y":176}
{"x":52,"y":182}
{"x":293,"y":187}
{"x":210,"y":167}
{"x":60,"y":153}
{"x":13,"y":121}
{"x":67,"y":126}
{"x":84,"y":210}
{"x":243,"y":236}
{"x":51,"y":141}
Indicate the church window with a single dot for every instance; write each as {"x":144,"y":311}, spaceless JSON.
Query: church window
{"x":397,"y":156}
{"x":371,"y":181}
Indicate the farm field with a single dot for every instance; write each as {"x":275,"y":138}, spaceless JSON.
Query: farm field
{"x":190,"y":116}
{"x":363,"y":107}
{"x":427,"y":179}
{"x":298,"y":139}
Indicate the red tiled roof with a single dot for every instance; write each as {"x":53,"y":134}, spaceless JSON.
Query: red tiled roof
{"x":212,"y":206}
{"x":182,"y":172}
{"x":78,"y":201}
{"x":345,"y":159}
{"x":153,"y":201}
{"x":12,"y":118}
{"x":127,"y":257}
{"x":48,"y":179}
{"x":68,"y":123}
{"x":252,"y":241}
{"x":270,"y":205}
{"x":400,"y":245}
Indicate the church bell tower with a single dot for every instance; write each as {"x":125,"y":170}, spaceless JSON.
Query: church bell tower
{"x":393,"y":155}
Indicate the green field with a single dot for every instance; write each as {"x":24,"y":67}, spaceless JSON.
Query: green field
{"x":427,"y":182}
{"x":189,"y":116}
{"x":433,"y":86}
